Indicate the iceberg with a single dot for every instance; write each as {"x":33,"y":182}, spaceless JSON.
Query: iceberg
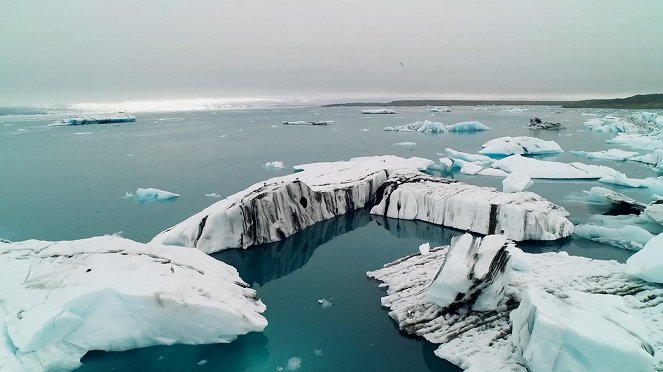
{"x":539,"y":124}
{"x":439,"y":109}
{"x":647,"y":264}
{"x":120,"y":117}
{"x":483,"y":210}
{"x":516,"y":182}
{"x":535,"y":168}
{"x":483,"y":341}
{"x":611,"y":124}
{"x":152,"y":194}
{"x":622,"y":180}
{"x":406,"y":144}
{"x":582,"y":332}
{"x":437,"y":127}
{"x":59,"y":300}
{"x":309,"y":122}
{"x":483,"y":159}
{"x":619,"y":203}
{"x":379,"y":111}
{"x":272,"y":210}
{"x":274,"y":164}
{"x":520,"y":145}
{"x":474,"y":273}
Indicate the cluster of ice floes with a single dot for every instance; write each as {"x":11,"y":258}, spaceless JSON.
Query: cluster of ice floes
{"x":522,"y":145}
{"x":279,"y":207}
{"x":439,"y":109}
{"x":554,"y":312}
{"x":427,"y":126}
{"x":535,"y":168}
{"x":60,"y":299}
{"x":379,"y":111}
{"x":635,"y":123}
{"x":120,"y":117}
{"x":309,"y":122}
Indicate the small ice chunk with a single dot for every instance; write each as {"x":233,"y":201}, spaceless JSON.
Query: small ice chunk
{"x":82,"y":133}
{"x":405,"y":143}
{"x":610,"y":154}
{"x":152,"y":194}
{"x":325,"y":303}
{"x":516,"y":182}
{"x":294,"y":364}
{"x":274,"y":164}
{"x":647,"y":264}
{"x":379,"y":111}
{"x":467,"y":126}
{"x":213,"y":195}
{"x":202,"y":362}
{"x":318,"y":352}
{"x":446,"y":162}
{"x":424,"y":248}
{"x":469,"y":157}
{"x":469,"y":168}
{"x":365,"y":130}
{"x":127,"y":195}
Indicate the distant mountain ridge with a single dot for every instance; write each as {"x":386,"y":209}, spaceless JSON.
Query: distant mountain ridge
{"x":640,"y":101}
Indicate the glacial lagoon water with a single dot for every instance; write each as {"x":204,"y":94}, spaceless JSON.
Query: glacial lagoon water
{"x":62,"y":183}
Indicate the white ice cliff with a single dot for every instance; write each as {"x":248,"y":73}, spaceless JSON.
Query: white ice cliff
{"x":60,"y":299}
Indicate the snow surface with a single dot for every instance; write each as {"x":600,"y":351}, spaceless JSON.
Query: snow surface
{"x":484,"y":210}
{"x":647,"y":264}
{"x":582,"y":332}
{"x":152,"y":194}
{"x":482,"y":341}
{"x":520,"y":145}
{"x":535,"y":168}
{"x":60,"y":299}
{"x":379,"y":111}
{"x":272,"y":210}
{"x":516,"y":182}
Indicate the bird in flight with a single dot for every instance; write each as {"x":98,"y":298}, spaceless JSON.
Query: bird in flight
{"x":402,"y":64}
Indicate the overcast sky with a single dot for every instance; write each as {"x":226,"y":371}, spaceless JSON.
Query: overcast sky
{"x":70,"y":51}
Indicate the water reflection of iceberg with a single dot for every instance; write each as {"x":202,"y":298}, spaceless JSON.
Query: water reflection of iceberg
{"x":435,"y":234}
{"x":260,"y":264}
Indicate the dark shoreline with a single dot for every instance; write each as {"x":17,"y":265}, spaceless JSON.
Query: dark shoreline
{"x":641,"y":101}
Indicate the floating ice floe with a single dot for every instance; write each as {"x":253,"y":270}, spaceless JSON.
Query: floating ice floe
{"x":619,"y":204}
{"x":535,"y":168}
{"x":476,"y":158}
{"x":213,"y":195}
{"x":437,"y":127}
{"x":406,"y":144}
{"x":272,"y":210}
{"x":539,"y":124}
{"x":626,"y":237}
{"x":439,"y":109}
{"x":274,"y":164}
{"x":611,"y":154}
{"x":483,"y":210}
{"x":120,"y":117}
{"x":581,"y":332}
{"x":152,"y":194}
{"x":309,"y":122}
{"x":520,"y":145}
{"x":59,"y":300}
{"x":491,"y":341}
{"x":379,"y":111}
{"x":611,"y":124}
{"x":516,"y":182}
{"x":647,"y":264}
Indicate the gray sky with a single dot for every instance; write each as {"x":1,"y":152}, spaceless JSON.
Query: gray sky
{"x":69,"y":51}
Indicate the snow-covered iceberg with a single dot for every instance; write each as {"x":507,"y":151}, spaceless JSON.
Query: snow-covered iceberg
{"x":522,"y":145}
{"x":379,"y":111}
{"x":535,"y":168}
{"x":309,"y":122}
{"x":60,"y":299}
{"x":427,"y":126}
{"x":582,"y":332}
{"x":274,"y":164}
{"x":483,"y":341}
{"x":473,"y":274}
{"x":627,"y":237}
{"x":647,"y":264}
{"x":120,"y":117}
{"x":483,"y":210}
{"x":279,"y":207}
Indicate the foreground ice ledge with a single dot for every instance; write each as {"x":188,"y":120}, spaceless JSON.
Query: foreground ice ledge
{"x":483,"y":341}
{"x":60,"y":299}
{"x":272,"y":210}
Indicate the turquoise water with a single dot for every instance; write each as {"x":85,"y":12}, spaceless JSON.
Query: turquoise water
{"x":63,"y":183}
